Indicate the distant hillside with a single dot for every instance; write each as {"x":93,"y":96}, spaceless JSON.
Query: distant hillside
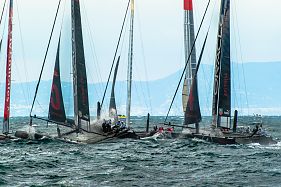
{"x":260,"y":80}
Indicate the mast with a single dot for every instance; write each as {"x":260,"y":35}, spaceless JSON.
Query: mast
{"x":130,"y":61}
{"x":222,"y":83}
{"x":80,"y":86}
{"x":188,"y":42}
{"x":8,"y":72}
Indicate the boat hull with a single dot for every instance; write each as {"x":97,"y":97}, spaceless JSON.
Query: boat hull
{"x":26,"y":135}
{"x":4,"y":137}
{"x":214,"y":139}
{"x":93,"y":137}
{"x":230,"y":138}
{"x":262,"y":140}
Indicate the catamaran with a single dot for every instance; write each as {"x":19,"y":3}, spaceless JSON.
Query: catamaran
{"x":113,"y":112}
{"x":79,"y":127}
{"x":221,"y":130}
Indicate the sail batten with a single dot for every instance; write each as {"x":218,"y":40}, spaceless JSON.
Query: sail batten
{"x":80,"y":86}
{"x":8,"y":72}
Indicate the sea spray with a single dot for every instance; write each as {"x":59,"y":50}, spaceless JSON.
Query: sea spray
{"x":104,"y":116}
{"x":30,"y":130}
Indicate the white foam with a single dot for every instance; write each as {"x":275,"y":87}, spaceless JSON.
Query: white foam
{"x":30,"y":130}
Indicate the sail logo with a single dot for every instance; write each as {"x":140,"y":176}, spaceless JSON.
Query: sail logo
{"x":8,"y":70}
{"x":223,"y":112}
{"x":55,"y":99}
{"x":217,"y":70}
{"x":226,"y":85}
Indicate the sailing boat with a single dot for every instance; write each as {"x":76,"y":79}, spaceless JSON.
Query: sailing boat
{"x":129,"y":73}
{"x":80,"y":128}
{"x":188,"y":91}
{"x":6,"y":125}
{"x":123,"y":119}
{"x":221,"y":130}
{"x":190,"y":82}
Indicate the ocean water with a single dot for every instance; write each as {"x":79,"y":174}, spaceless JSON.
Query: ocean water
{"x":127,"y":162}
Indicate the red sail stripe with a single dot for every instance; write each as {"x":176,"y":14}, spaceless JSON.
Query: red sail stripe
{"x":187,"y":4}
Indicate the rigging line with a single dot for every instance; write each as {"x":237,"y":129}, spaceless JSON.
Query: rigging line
{"x":208,"y":81}
{"x":145,"y":65}
{"x":193,"y":45}
{"x":236,"y":103}
{"x":41,"y":107}
{"x":26,"y":95}
{"x":115,"y":53}
{"x":67,"y":100}
{"x":236,"y":87}
{"x":93,"y":52}
{"x":4,"y":28}
{"x":122,"y":84}
{"x":142,"y":88}
{"x":44,"y":61}
{"x":235,"y":66}
{"x":240,"y":48}
{"x":200,"y":56}
{"x":2,"y":12}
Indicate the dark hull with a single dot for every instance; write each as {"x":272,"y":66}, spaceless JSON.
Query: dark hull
{"x":25,"y":135}
{"x":233,"y":138}
{"x":219,"y":140}
{"x":262,"y":140}
{"x":4,"y":137}
{"x":143,"y":134}
{"x":128,"y":134}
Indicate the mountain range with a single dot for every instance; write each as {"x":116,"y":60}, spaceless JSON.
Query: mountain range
{"x":255,"y":89}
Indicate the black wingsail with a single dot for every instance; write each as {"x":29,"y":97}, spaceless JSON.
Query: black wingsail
{"x":112,"y":103}
{"x":225,"y":87}
{"x":81,"y":102}
{"x":56,"y":106}
{"x":222,"y":87}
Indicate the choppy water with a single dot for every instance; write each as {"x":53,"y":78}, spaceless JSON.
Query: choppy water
{"x":169,"y":162}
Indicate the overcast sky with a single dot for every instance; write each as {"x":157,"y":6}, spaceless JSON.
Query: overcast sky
{"x":158,"y":42}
